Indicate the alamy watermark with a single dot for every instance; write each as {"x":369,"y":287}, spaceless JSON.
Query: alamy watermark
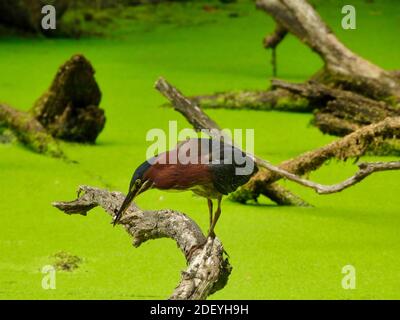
{"x":49,"y":278}
{"x":205,"y":151}
{"x":349,"y":280}
{"x":349,"y":20}
{"x":49,"y":20}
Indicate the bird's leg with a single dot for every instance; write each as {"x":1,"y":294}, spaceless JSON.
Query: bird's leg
{"x":215,"y":219}
{"x":210,"y":210}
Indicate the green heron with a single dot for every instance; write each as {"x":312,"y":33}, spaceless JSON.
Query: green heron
{"x":210,"y":168}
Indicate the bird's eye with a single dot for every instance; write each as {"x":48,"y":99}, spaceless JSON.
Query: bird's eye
{"x":138,"y":182}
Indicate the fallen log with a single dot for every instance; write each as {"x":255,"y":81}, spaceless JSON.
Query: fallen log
{"x":207,"y":271}
{"x":29,"y":131}
{"x":342,"y":104}
{"x":340,"y":112}
{"x":278,"y":100}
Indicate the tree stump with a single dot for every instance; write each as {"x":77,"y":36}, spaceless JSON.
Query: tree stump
{"x":69,"y":110}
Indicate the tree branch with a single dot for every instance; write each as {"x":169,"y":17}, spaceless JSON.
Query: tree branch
{"x":354,"y":145}
{"x":271,"y":41}
{"x":207,"y":270}
{"x":365,"y":170}
{"x":196,"y":117}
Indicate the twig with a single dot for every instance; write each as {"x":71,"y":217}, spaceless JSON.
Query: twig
{"x":207,"y":270}
{"x":271,"y":41}
{"x":366,"y":169}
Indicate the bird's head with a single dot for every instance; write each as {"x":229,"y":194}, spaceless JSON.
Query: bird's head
{"x":139,"y":184}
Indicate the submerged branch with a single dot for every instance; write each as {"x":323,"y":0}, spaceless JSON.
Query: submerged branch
{"x":263,"y":100}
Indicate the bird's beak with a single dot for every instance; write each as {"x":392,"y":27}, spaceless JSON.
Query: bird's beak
{"x":136,"y":189}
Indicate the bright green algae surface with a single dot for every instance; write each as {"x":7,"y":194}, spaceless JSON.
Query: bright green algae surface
{"x":276,"y":252}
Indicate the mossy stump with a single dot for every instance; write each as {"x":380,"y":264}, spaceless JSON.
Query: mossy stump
{"x":69,"y":110}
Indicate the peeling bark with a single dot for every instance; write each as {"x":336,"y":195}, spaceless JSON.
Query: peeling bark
{"x":207,"y":271}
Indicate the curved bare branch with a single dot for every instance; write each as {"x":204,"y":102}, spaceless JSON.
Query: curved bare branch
{"x":207,"y":270}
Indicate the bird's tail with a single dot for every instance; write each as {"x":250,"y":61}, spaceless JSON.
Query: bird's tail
{"x":125,"y":205}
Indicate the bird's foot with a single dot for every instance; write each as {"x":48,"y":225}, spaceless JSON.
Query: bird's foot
{"x":195,"y":248}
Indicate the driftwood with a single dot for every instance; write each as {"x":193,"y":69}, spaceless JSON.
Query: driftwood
{"x":272,"y":40}
{"x":207,"y":271}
